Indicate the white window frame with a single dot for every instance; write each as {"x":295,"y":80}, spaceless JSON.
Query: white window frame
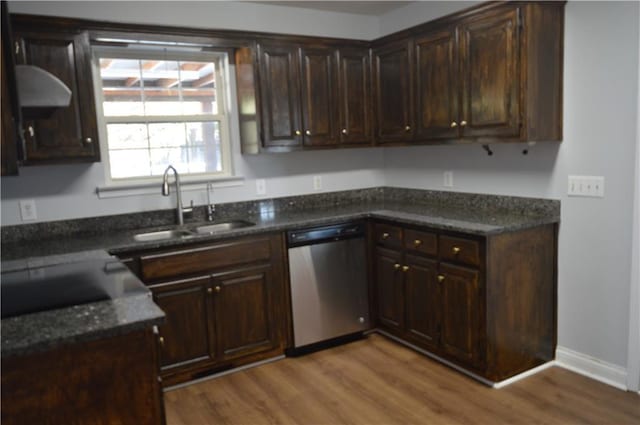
{"x":220,"y":58}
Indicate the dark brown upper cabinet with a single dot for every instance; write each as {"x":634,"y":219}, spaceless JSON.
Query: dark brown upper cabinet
{"x":10,"y":111}
{"x":437,"y":102}
{"x":393,"y":101}
{"x":490,"y":75}
{"x":319,"y":111}
{"x":280,"y":101}
{"x":298,"y":96}
{"x":70,"y":133}
{"x":354,"y":91}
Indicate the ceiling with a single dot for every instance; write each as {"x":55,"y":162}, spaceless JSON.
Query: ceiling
{"x":372,"y":8}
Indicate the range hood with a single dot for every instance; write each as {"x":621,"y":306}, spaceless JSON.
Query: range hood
{"x":40,"y":93}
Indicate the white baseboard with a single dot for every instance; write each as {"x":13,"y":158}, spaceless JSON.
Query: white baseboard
{"x":591,"y":367}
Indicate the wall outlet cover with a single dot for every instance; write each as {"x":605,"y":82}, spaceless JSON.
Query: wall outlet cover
{"x":317,"y":182}
{"x":261,"y":187}
{"x":447,"y":177}
{"x":28,"y":210}
{"x":586,"y":186}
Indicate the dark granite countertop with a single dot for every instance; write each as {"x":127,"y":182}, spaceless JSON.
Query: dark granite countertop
{"x":444,"y":217}
{"x":72,"y":302}
{"x":48,"y":244}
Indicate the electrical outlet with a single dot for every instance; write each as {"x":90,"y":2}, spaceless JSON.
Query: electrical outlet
{"x":261,"y":187}
{"x":317,"y":182}
{"x":28,"y":210}
{"x":586,"y":186}
{"x":447,"y":179}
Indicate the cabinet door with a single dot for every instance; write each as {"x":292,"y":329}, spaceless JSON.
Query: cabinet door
{"x":319,"y":97}
{"x":491,"y":76}
{"x":9,"y":141}
{"x":187,"y":334}
{"x":244,"y":312}
{"x":393,"y":85}
{"x":70,"y":134}
{"x":280,"y":99}
{"x":390,"y":288}
{"x":461,"y":319}
{"x":422,"y":299}
{"x":437,"y":94}
{"x":354,"y":89}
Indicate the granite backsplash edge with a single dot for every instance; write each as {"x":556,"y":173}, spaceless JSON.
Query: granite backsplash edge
{"x":377,"y":196}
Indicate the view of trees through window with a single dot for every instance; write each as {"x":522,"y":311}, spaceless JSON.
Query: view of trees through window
{"x":159,"y":112}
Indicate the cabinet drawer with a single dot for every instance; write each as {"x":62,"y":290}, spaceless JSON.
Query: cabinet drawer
{"x":388,"y":235}
{"x":197,"y":260}
{"x":459,"y":250}
{"x":421,"y":242}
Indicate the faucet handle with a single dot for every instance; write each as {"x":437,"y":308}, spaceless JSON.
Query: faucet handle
{"x":188,"y":209}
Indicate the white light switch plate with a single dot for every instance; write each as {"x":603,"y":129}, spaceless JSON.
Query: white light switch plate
{"x":586,"y":186}
{"x":28,"y":210}
{"x":317,"y":182}
{"x":447,"y":177}
{"x":261,"y":187}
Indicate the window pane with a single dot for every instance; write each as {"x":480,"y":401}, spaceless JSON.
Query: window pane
{"x":161,"y":87}
{"x":163,"y":157}
{"x":129,"y":163}
{"x":127,"y":136}
{"x":166,"y":134}
{"x":198,"y":88}
{"x":204,"y":138}
{"x":121,"y":85}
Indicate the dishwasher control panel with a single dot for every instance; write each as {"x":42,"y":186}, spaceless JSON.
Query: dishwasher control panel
{"x":318,"y":234}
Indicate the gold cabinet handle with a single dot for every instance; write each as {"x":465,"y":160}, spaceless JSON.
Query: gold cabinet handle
{"x":405,"y":268}
{"x":397,"y":266}
{"x":308,"y":132}
{"x":407,"y":128}
{"x":298,"y":133}
{"x":161,"y":340}
{"x":463,"y":123}
{"x":455,"y":250}
{"x":344,"y":131}
{"x":88,"y":141}
{"x":440,"y":278}
{"x":209,"y":290}
{"x":31,"y":131}
{"x":385,"y":235}
{"x":218,"y":288}
{"x":17,"y":47}
{"x":417,"y":242}
{"x":454,"y":124}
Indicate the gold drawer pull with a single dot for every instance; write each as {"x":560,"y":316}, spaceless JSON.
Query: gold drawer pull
{"x":385,"y":235}
{"x":417,"y":242}
{"x":455,"y":250}
{"x":405,"y":268}
{"x":218,"y":288}
{"x":209,"y":290}
{"x":396,"y":266}
{"x":454,"y":124}
{"x":440,"y":278}
{"x":161,"y":340}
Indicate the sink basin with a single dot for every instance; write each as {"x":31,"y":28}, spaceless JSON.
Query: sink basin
{"x":162,"y":235}
{"x":220,"y":227}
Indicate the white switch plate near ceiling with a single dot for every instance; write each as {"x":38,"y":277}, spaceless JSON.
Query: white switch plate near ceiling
{"x":28,"y":210}
{"x":586,"y":186}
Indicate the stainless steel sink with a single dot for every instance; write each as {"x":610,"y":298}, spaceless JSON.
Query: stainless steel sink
{"x":220,"y":227}
{"x":162,"y":235}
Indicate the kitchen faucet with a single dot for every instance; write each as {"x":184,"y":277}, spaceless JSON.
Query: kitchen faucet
{"x":165,"y":191}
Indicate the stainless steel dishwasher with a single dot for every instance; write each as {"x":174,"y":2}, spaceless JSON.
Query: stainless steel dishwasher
{"x":329,"y":291}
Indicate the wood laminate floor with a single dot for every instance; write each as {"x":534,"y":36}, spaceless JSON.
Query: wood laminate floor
{"x":377,"y":381}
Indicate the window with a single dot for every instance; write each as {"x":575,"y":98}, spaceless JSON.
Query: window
{"x":163,"y":107}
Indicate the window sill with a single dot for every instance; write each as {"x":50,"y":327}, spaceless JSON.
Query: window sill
{"x":136,"y":189}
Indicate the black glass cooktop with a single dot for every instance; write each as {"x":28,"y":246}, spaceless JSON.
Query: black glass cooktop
{"x":64,"y":285}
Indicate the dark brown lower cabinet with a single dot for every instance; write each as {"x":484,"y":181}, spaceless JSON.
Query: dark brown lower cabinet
{"x":226,"y":304}
{"x":485,"y":303}
{"x":107,"y":381}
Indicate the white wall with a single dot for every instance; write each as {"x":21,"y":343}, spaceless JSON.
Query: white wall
{"x":600,"y":124}
{"x":69,"y":191}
